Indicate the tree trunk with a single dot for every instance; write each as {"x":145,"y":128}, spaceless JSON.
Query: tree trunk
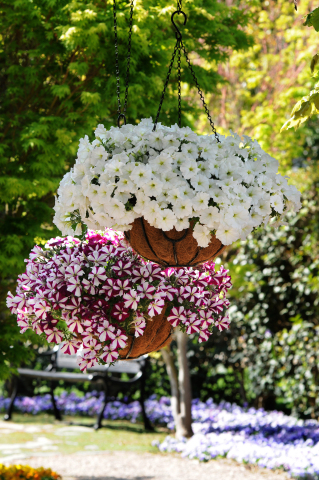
{"x":184,"y":380}
{"x":181,"y":395}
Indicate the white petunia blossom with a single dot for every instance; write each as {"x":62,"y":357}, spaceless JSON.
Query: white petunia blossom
{"x":172,"y":177}
{"x":202,"y":235}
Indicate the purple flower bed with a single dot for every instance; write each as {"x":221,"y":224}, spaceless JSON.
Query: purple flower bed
{"x":159,"y":411}
{"x":268,"y":439}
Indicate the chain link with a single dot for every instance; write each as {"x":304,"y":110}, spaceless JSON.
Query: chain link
{"x":165,"y":86}
{"x":129,"y":46}
{"x":179,"y":85}
{"x":179,"y":46}
{"x":117,"y":70}
{"x":200,"y":92}
{"x":121,"y":115}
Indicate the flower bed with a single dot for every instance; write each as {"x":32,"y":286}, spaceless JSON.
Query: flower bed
{"x":268,"y":439}
{"x":97,"y":296}
{"x":24,"y":472}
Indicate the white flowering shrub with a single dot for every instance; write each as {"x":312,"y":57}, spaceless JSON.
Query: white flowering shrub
{"x":171,"y":177}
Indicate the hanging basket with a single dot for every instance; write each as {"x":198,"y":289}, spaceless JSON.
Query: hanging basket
{"x":98,"y":296}
{"x":172,"y":248}
{"x":157,"y":334}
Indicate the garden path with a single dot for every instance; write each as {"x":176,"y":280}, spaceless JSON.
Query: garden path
{"x":127,"y":465}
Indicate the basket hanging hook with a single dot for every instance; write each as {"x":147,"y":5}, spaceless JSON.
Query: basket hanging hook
{"x":177,"y":30}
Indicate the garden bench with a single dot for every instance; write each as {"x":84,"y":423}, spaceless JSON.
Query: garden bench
{"x":99,"y":374}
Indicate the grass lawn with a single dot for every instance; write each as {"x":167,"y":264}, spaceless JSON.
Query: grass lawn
{"x":30,"y":435}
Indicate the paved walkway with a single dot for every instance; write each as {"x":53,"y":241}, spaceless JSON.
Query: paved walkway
{"x":126,"y":465}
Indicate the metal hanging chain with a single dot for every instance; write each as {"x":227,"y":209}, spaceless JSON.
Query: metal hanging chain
{"x":200,"y":92}
{"x":179,"y":85}
{"x":121,"y":115}
{"x":179,"y":46}
{"x":165,"y":86}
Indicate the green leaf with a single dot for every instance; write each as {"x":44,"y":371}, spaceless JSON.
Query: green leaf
{"x":314,"y":61}
{"x":312,"y":19}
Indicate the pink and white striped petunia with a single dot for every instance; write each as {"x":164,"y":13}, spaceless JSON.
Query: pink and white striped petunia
{"x":108,"y":289}
{"x":121,"y":286}
{"x":17,"y":302}
{"x":107,"y":331}
{"x":23,"y":323}
{"x":41,"y":308}
{"x":120,"y":312}
{"x":85,"y":363}
{"x":151,"y":272}
{"x":91,"y":350}
{"x":120,"y":340}
{"x":75,"y":325}
{"x":122,"y":268}
{"x":39,"y":326}
{"x":176,"y":316}
{"x":70,"y":347}
{"x":74,"y":270}
{"x":139,"y":326}
{"x":54,"y":335}
{"x":203,"y":336}
{"x":155,"y":307}
{"x":98,"y":258}
{"x":88,"y":286}
{"x":216,"y":304}
{"x":193,"y":326}
{"x":145,"y":290}
{"x":222,"y":323}
{"x":74,"y":286}
{"x":97,"y":275}
{"x":207,"y":316}
{"x":109,"y":355}
{"x":131,"y":299}
{"x":167,"y":292}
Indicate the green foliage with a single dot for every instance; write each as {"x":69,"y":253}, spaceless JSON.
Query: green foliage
{"x":57,"y":83}
{"x":265,"y":81}
{"x":312,"y":19}
{"x":274,"y":328}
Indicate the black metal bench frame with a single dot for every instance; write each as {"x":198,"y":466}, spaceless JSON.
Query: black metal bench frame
{"x":52,"y":375}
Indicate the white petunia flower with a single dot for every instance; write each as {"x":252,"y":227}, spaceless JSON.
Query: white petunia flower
{"x":265,"y":182}
{"x":200,"y":201}
{"x":170,"y":141}
{"x":191,"y":150}
{"x":140,"y":175}
{"x":227,"y":235}
{"x":151,"y":210}
{"x":276,"y":201}
{"x":263,"y":206}
{"x":189,"y":169}
{"x":141,"y":202}
{"x":202,"y":235}
{"x":200,"y":183}
{"x":236,"y":216}
{"x":183,"y":208}
{"x":115,"y":208}
{"x":166,"y":220}
{"x":210,"y":217}
{"x":153,"y":188}
{"x":161,"y":164}
{"x":181,"y":224}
